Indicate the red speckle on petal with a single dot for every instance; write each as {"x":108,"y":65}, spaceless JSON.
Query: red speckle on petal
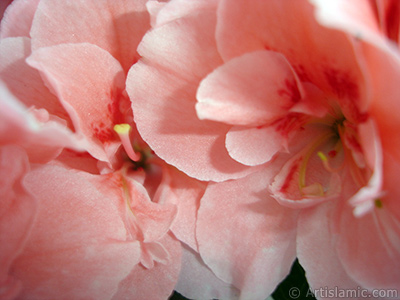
{"x":302,"y":73}
{"x":102,"y":132}
{"x":342,"y":84}
{"x":117,"y":107}
{"x":290,"y":123}
{"x":332,"y":153}
{"x":291,"y":91}
{"x":346,"y":89}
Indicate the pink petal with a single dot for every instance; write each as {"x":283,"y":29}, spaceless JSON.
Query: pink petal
{"x":154,"y":219}
{"x":369,"y":247}
{"x":82,"y":161}
{"x":168,"y":11}
{"x":197,"y":281}
{"x":384,"y":69}
{"x":115,"y":26}
{"x":41,"y":141}
{"x":77,"y":249}
{"x":316,"y":250}
{"x":153,"y":284}
{"x":253,"y":89}
{"x":253,"y":146}
{"x":192,"y":58}
{"x":167,"y":121}
{"x":184,"y":192}
{"x":17,"y":20}
{"x":154,"y":7}
{"x":97,"y":107}
{"x":17,"y":213}
{"x":290,"y":28}
{"x":364,"y":199}
{"x":244,"y":236}
{"x":24,"y":81}
{"x":356,"y":17}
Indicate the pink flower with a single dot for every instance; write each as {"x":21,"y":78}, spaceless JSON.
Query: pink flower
{"x":93,"y":224}
{"x":291,"y":112}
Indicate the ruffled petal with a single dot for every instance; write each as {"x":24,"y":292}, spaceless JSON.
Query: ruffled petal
{"x":156,"y":283}
{"x":97,"y":107}
{"x":384,"y":71}
{"x":17,"y":20}
{"x":24,"y":81}
{"x":42,"y":141}
{"x":290,"y":28}
{"x":167,"y":121}
{"x":17,"y":214}
{"x":245,"y":236}
{"x":184,"y":192}
{"x":197,"y":281}
{"x":253,"y":89}
{"x":77,"y":249}
{"x":154,"y":219}
{"x":168,"y":11}
{"x":316,"y":251}
{"x":115,"y":26}
{"x":356,"y":17}
{"x":364,"y":199}
{"x":369,"y":246}
{"x":253,"y":146}
{"x":193,"y":57}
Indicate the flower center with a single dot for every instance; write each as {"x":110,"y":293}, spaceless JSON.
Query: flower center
{"x":137,"y":155}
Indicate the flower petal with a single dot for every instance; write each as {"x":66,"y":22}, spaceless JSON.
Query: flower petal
{"x":41,"y":141}
{"x":290,"y":28}
{"x":116,"y":26}
{"x":184,"y":192}
{"x":376,"y":263}
{"x":167,"y":121}
{"x":253,"y":146}
{"x":245,"y":236}
{"x":355,"y":17}
{"x":197,"y":281}
{"x":95,"y":109}
{"x":24,"y":81}
{"x":17,"y":214}
{"x":384,"y":70}
{"x":17,"y":20}
{"x":77,"y":249}
{"x":253,"y":89}
{"x":154,"y":219}
{"x":316,"y":250}
{"x":156,"y":283}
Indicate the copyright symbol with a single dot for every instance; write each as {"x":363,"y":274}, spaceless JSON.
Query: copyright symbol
{"x":294,"y":293}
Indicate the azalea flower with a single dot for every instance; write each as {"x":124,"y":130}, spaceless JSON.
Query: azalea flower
{"x":295,"y":125}
{"x":94,"y":207}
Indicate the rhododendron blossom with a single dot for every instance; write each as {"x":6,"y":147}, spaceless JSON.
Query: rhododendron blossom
{"x":263,"y":94}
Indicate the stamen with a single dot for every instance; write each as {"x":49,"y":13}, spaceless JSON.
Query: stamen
{"x":313,"y":147}
{"x":325,"y":162}
{"x":123,"y":131}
